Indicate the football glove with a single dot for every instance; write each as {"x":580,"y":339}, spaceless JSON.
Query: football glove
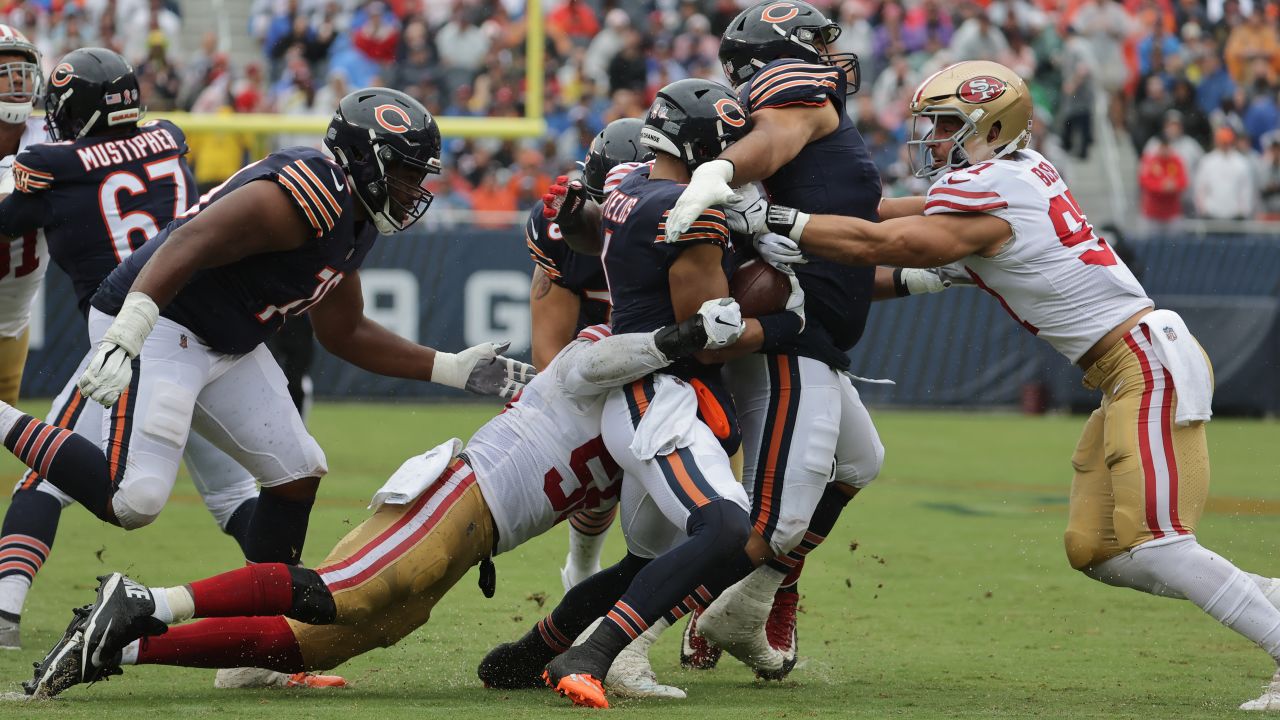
{"x":722,"y":320}
{"x":709,"y":185}
{"x":778,"y":250}
{"x":795,"y":301}
{"x":111,"y":368}
{"x":919,"y":281}
{"x":562,"y":204}
{"x":747,"y":214}
{"x":483,"y":370}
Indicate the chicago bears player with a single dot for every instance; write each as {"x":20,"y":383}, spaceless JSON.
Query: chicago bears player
{"x":102,"y":188}
{"x":1002,"y":213}
{"x":279,"y":238}
{"x":569,"y":292}
{"x":23,"y":266}
{"x":513,"y":482}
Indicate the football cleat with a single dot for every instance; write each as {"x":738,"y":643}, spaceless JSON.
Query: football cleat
{"x":62,"y":667}
{"x":511,"y":666}
{"x":631,"y":675}
{"x":697,"y":652}
{"x":780,"y":629}
{"x":573,"y":673}
{"x":1269,"y":701}
{"x":10,"y":635}
{"x":736,"y":622}
{"x":250,"y":678}
{"x":121,"y":614}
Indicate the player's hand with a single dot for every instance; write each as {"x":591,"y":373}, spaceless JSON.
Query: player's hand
{"x":922,"y":281}
{"x":722,"y":321}
{"x":562,"y":204}
{"x":778,"y":250}
{"x":747,"y":214}
{"x":708,"y":186}
{"x":111,"y":368}
{"x":483,"y":370}
{"x":795,"y":301}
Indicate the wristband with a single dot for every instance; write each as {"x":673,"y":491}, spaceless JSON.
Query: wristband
{"x":779,"y":328}
{"x":900,"y":288}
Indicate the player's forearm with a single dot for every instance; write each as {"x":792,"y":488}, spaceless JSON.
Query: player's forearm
{"x":752,"y":340}
{"x":760,"y":154}
{"x":169,"y":270}
{"x":585,"y":237}
{"x":553,"y":311}
{"x":885,"y":288}
{"x":370,"y":346}
{"x":617,"y":360}
{"x":846,"y":240}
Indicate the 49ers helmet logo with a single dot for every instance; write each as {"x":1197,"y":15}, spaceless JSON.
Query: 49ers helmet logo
{"x":731,"y":112}
{"x":779,"y":12}
{"x":61,"y":75}
{"x":393,"y":118}
{"x":981,"y":89}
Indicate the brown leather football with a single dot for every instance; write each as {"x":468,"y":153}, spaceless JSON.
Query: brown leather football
{"x":759,"y":288}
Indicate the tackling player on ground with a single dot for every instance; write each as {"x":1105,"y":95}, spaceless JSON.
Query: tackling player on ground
{"x":1003,"y":215}
{"x":439,"y":515}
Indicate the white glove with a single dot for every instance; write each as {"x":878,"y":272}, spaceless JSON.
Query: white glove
{"x":747,"y":214}
{"x":778,"y":250}
{"x":722,"y":319}
{"x":111,"y":368}
{"x":795,"y":301}
{"x":709,"y":185}
{"x":921,"y":281}
{"x":483,"y":370}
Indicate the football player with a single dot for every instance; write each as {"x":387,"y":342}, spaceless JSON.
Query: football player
{"x":284,"y":236}
{"x":513,"y":482}
{"x":105,"y":185}
{"x":800,"y":415}
{"x":568,"y":293}
{"x":1004,"y":216}
{"x":671,"y":432}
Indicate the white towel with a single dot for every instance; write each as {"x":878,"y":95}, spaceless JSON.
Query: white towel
{"x":416,"y":475}
{"x":669,"y":421}
{"x":1178,"y":351}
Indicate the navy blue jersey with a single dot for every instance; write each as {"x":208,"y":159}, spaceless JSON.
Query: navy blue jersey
{"x":99,"y":198}
{"x":833,"y":175}
{"x":581,"y":275}
{"x":236,"y":307}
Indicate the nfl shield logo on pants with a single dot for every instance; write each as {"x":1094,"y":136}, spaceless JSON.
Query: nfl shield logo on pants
{"x":1169,"y":333}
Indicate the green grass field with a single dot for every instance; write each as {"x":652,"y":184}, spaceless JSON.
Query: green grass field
{"x":944,"y":592}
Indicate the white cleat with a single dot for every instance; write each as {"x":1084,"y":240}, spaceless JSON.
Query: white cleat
{"x":1269,"y":701}
{"x":251,"y":678}
{"x":736,"y":622}
{"x":571,"y":574}
{"x":632,"y":676}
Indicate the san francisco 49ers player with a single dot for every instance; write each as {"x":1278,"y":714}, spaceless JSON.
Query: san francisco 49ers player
{"x":439,"y":515}
{"x":1002,"y":214}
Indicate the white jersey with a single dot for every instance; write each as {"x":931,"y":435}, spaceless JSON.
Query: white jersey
{"x":1055,"y":276}
{"x":542,"y":459}
{"x":28,"y":256}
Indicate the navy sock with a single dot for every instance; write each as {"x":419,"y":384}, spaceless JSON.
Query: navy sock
{"x":238,"y":524}
{"x":26,"y":537}
{"x":824,"y":519}
{"x":277,"y":530}
{"x":713,"y":553}
{"x":71,"y":463}
{"x":580,"y":607}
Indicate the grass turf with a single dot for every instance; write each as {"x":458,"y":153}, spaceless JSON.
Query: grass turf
{"x":943,"y":592}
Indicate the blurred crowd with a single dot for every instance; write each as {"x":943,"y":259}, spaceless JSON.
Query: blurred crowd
{"x":1193,"y":85}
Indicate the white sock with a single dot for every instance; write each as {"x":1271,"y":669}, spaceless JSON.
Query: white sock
{"x":129,"y":656}
{"x":1186,"y":569}
{"x":173,"y":605}
{"x":9,"y":416}
{"x":584,"y":551}
{"x":650,"y":636}
{"x":13,"y":593}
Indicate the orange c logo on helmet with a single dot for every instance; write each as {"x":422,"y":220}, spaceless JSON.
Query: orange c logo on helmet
{"x":388,"y":115}
{"x":61,"y":75}
{"x":731,"y":112}
{"x":981,"y":89}
{"x":788,"y":11}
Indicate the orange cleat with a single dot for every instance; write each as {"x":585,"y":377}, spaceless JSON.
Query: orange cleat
{"x":313,"y":680}
{"x":583,"y":689}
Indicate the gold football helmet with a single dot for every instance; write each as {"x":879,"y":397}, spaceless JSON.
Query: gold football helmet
{"x":979,"y":94}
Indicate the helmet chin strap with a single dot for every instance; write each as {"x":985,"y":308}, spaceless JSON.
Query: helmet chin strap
{"x":15,"y":113}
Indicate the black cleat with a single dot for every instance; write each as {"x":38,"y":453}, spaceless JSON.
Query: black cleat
{"x":62,"y":667}
{"x":513,"y":666}
{"x":121,"y":614}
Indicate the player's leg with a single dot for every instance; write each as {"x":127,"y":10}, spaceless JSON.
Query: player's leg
{"x":587,"y":532}
{"x":13,"y":358}
{"x":294,"y":348}
{"x":246,"y":412}
{"x":230,"y":492}
{"x":31,"y":521}
{"x":695,"y":488}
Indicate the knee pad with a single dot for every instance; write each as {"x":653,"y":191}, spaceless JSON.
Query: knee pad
{"x":312,"y":464}
{"x":312,"y":602}
{"x":1083,"y":549}
{"x":722,"y":525}
{"x":168,"y":414}
{"x":139,"y":501}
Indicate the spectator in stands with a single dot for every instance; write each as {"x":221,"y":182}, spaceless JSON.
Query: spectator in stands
{"x":858,"y":36}
{"x":1255,"y":39}
{"x":606,"y":45}
{"x":1261,"y":116}
{"x":1107,"y":26}
{"x":697,"y":44}
{"x":493,"y":201}
{"x":1079,"y":93}
{"x":1269,"y":173}
{"x":463,"y":46}
{"x":979,"y":39}
{"x":573,"y":23}
{"x":1216,"y":84}
{"x":1224,"y":181}
{"x":379,"y":35}
{"x":928,"y":21}
{"x":1162,"y":178}
{"x":1181,"y":145}
{"x":416,"y":60}
{"x":629,"y":70}
{"x":1148,"y":118}
{"x":1156,"y":40}
{"x":1194,"y":122}
{"x":1019,"y":56}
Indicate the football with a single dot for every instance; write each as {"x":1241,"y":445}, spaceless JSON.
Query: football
{"x":759,"y":288}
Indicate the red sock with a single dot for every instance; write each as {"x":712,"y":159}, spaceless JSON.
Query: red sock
{"x":256,"y":590}
{"x":793,"y":576}
{"x":263,"y":642}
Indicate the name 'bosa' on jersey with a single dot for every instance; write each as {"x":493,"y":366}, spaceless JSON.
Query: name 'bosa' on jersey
{"x":1055,"y":276}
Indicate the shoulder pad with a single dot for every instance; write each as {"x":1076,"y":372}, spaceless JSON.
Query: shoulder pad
{"x":318,"y":186}
{"x":33,"y":169}
{"x":793,"y":82}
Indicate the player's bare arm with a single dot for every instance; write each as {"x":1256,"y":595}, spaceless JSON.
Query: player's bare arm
{"x":255,"y":219}
{"x":342,"y":328}
{"x":891,"y":208}
{"x":696,"y":277}
{"x":914,"y":242}
{"x":554,"y":312}
{"x":777,"y":136}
